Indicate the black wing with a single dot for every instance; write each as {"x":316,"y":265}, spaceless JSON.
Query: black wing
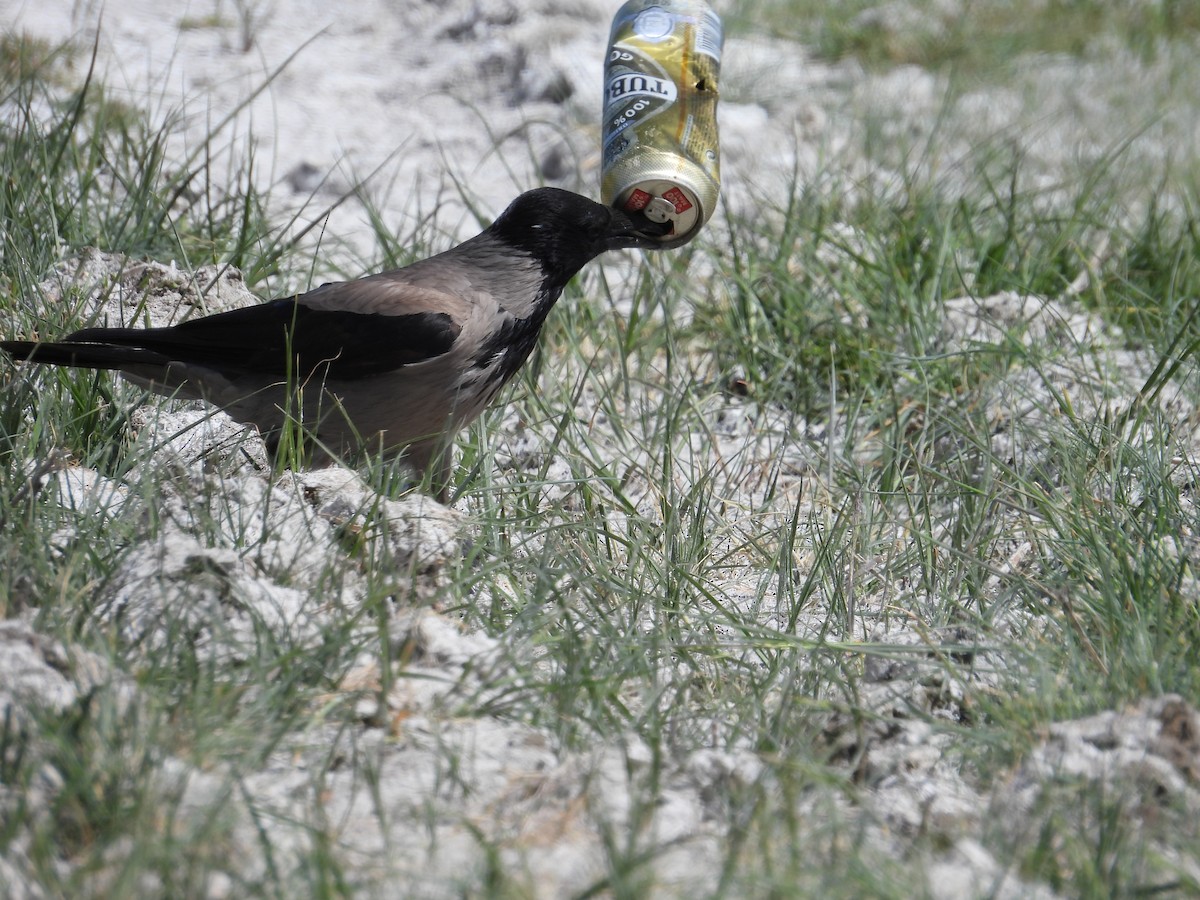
{"x":284,"y":337}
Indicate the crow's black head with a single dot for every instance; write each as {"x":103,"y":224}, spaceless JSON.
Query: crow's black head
{"x":565,"y":231}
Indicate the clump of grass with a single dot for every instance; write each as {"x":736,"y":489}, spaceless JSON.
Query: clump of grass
{"x":23,"y":57}
{"x":85,"y":170}
{"x":974,"y":38}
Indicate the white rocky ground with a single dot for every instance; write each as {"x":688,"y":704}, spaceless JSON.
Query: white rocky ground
{"x":498,"y":96}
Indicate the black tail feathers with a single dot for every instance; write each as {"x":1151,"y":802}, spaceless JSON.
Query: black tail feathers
{"x":93,"y":356}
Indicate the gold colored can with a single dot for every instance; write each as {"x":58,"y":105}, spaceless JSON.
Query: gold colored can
{"x":660,"y":148}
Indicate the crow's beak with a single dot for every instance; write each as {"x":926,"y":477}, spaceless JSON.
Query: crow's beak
{"x":633,"y":229}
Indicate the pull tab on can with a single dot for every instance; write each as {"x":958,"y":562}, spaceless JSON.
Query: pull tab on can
{"x":660,"y":149}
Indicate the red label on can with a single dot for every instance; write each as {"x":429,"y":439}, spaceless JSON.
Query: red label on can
{"x":678,"y":200}
{"x":637,"y":200}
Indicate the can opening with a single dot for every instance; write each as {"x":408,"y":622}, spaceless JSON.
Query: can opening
{"x":662,"y":200}
{"x":659,"y":209}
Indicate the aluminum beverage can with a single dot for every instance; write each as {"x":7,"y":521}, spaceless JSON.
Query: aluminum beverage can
{"x":659,"y":136}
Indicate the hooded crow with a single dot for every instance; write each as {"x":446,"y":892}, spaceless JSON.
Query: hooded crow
{"x":399,"y":361}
